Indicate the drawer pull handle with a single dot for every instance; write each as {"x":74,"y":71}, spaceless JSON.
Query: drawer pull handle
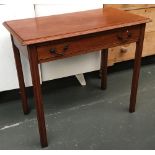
{"x":124,"y":36}
{"x":129,"y":34}
{"x":54,"y":51}
{"x":123,"y":49}
{"x":66,"y":47}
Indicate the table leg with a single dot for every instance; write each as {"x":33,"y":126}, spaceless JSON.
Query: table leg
{"x":20,"y":78}
{"x":103,"y":70}
{"x":33,"y":60}
{"x":136,"y":70}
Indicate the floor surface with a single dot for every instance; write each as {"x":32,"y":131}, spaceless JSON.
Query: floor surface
{"x":85,"y":117}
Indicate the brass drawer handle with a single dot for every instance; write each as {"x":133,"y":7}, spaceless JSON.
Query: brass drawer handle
{"x":54,"y":50}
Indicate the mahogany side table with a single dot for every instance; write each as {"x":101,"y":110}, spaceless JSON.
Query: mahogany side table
{"x":60,"y":36}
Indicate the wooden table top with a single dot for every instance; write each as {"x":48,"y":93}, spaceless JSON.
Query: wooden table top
{"x":48,"y":28}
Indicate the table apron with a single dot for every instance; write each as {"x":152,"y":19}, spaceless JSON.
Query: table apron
{"x":87,"y":43}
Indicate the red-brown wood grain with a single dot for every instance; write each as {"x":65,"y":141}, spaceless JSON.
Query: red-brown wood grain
{"x":136,"y":70}
{"x":103,"y":69}
{"x":87,"y":43}
{"x":37,"y":94}
{"x":42,"y":29}
{"x":20,"y":75}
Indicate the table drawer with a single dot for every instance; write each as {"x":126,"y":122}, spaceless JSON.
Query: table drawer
{"x":87,"y":43}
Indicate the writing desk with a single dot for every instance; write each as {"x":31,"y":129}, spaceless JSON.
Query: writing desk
{"x":60,"y":36}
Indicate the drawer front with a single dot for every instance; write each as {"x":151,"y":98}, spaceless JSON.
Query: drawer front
{"x":127,"y":52}
{"x":124,"y":52}
{"x":88,"y":43}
